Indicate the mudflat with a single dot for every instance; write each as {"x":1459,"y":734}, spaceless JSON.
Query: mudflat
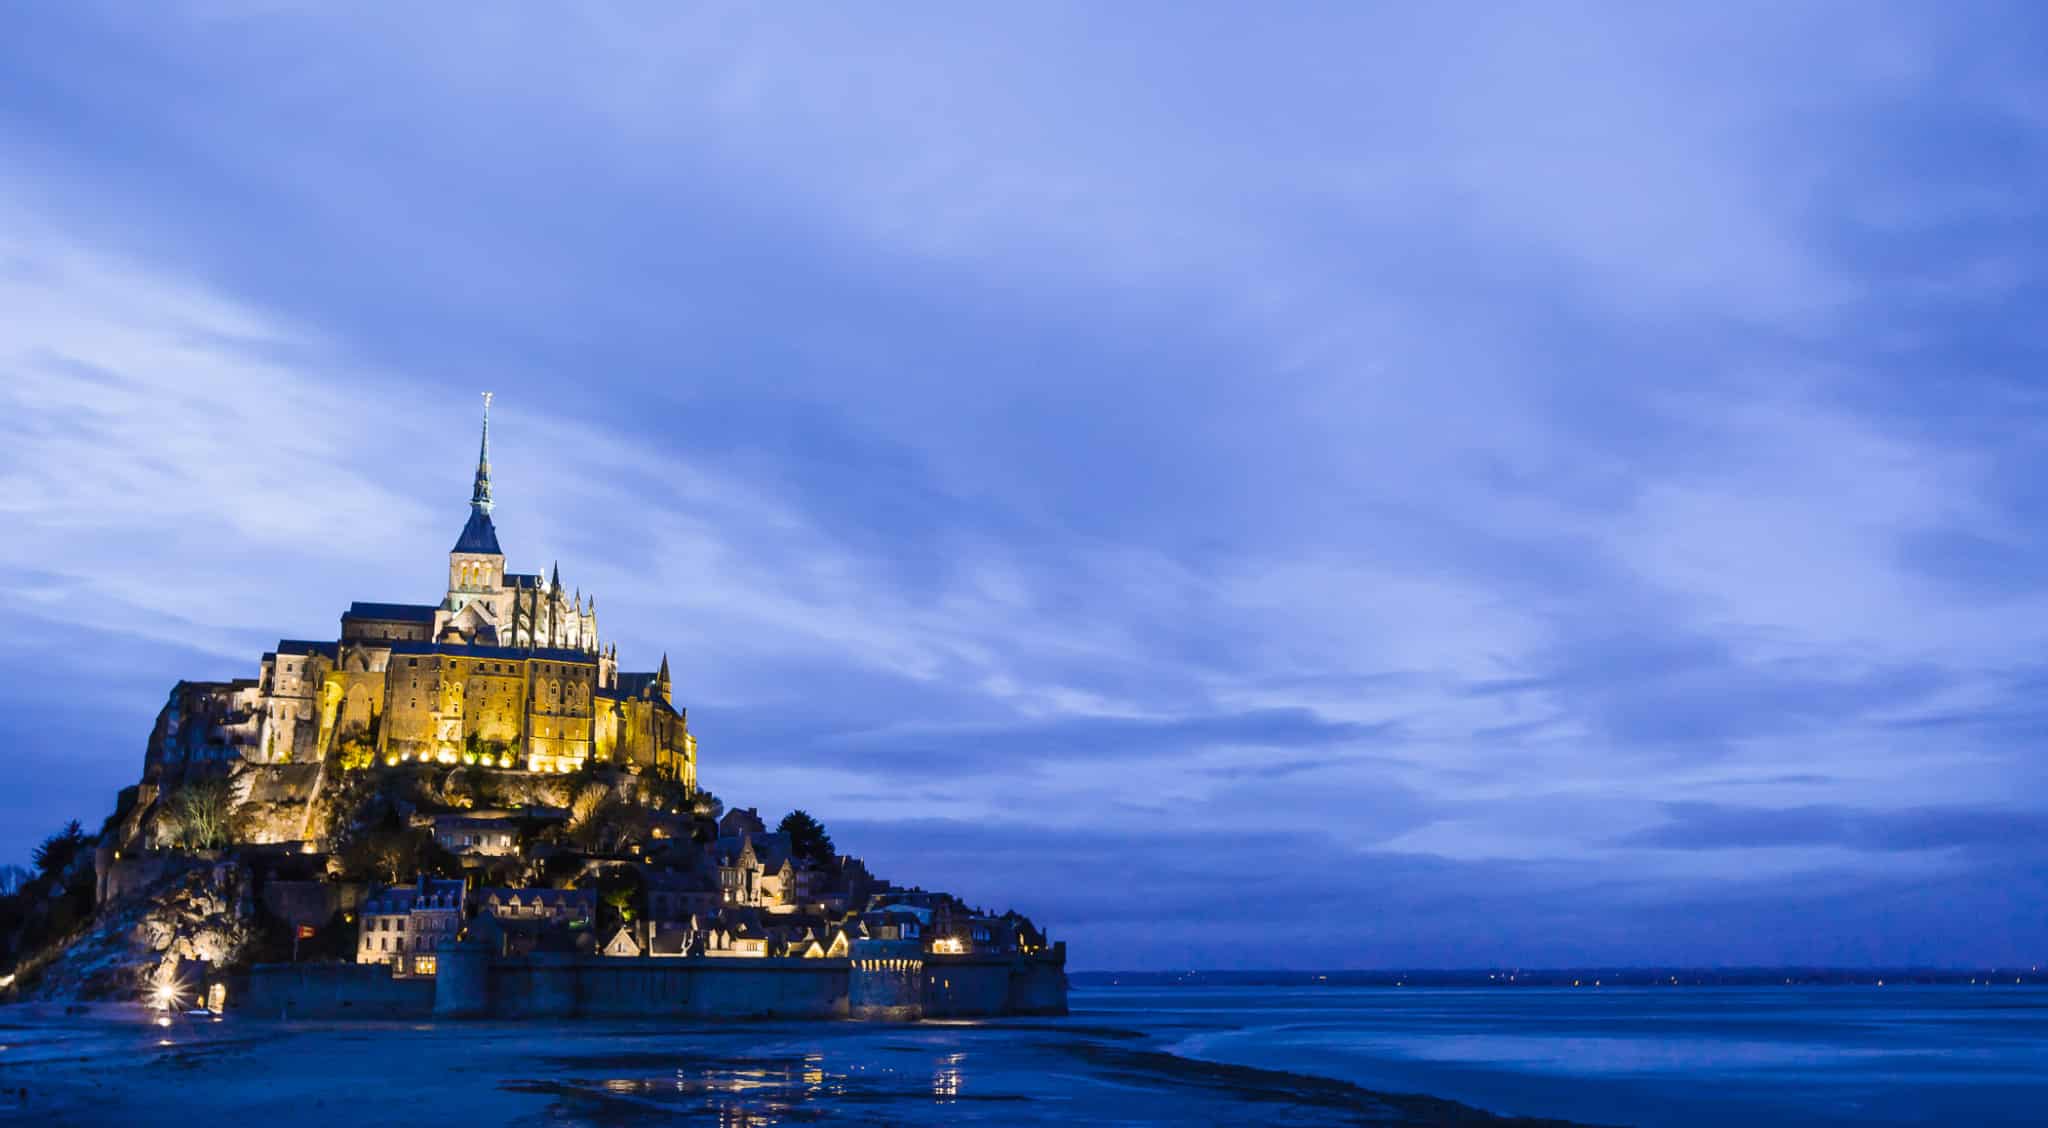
{"x":115,"y":1065}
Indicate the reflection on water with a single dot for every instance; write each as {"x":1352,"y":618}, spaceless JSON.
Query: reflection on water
{"x":946,"y":1080}
{"x":758,"y":1090}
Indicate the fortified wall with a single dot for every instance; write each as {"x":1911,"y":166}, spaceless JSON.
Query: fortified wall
{"x":881,"y":983}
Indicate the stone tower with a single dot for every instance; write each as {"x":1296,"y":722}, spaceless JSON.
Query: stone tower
{"x":476,"y":565}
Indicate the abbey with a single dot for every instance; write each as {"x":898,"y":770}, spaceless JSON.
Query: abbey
{"x":506,"y":671}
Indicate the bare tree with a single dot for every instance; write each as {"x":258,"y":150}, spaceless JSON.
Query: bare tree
{"x":12,"y":878}
{"x":203,"y":809}
{"x":588,"y":812}
{"x":392,"y":853}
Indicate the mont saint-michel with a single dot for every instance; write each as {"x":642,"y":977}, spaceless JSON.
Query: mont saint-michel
{"x":467,"y":808}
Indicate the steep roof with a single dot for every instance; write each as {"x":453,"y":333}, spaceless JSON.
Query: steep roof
{"x":773,"y":850}
{"x":633,"y":685}
{"x":393,"y":612}
{"x":551,"y":898}
{"x":546,"y":654}
{"x":304,"y":646}
{"x":442,"y":893}
{"x":478,"y":535}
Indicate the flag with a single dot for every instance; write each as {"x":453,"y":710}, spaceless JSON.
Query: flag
{"x":305,"y":932}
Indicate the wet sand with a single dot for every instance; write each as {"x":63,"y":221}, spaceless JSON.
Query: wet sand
{"x":114,"y":1066}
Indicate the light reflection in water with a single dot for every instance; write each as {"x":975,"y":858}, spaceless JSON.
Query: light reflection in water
{"x":946,"y":1079}
{"x":756,"y":1093}
{"x":814,"y":1073}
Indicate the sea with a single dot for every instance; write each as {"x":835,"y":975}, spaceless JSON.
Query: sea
{"x":1130,"y":1054}
{"x":1751,"y":1056}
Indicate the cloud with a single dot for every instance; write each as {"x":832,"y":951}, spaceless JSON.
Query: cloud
{"x":1712,"y":826}
{"x":1501,"y":460}
{"x":1101,"y":738}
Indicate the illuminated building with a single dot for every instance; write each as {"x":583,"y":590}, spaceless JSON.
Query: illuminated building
{"x":507,"y":671}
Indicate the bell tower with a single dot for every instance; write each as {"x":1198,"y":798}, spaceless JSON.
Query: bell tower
{"x":476,"y":565}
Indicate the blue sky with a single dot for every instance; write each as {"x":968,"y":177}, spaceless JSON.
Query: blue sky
{"x":1360,"y":486}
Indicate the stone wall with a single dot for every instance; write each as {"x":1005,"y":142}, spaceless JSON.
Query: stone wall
{"x":472,"y":983}
{"x":1038,"y":985}
{"x":966,"y":986}
{"x":546,"y":985}
{"x":332,"y":990}
{"x":886,"y":982}
{"x":121,"y":875}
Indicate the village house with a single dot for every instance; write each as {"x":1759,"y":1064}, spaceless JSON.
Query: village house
{"x":488,"y":835}
{"x":674,"y":896}
{"x":402,"y":924}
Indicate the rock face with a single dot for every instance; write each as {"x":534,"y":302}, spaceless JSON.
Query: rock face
{"x":271,"y":802}
{"x":199,"y":915}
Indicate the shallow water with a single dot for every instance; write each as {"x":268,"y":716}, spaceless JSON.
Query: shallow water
{"x":118,"y":1070}
{"x":1129,"y":1055}
{"x":1652,"y":1056}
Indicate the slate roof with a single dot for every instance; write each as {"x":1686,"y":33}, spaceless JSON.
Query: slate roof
{"x":478,"y":535}
{"x":393,"y":612}
{"x":741,"y":820}
{"x":681,"y":881}
{"x":303,"y":646}
{"x":435,"y":893}
{"x":545,"y":654}
{"x":553,"y":898}
{"x":773,"y":850}
{"x":631,"y":685}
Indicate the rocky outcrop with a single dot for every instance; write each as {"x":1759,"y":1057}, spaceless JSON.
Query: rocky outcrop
{"x":201,"y":914}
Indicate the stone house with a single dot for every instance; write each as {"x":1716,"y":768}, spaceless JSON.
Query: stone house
{"x":556,"y":906}
{"x":485,"y":835}
{"x":673,"y":896}
{"x":401,"y":925}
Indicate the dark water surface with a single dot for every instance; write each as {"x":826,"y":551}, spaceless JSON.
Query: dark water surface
{"x":1653,"y":1056}
{"x":1151,"y":1055}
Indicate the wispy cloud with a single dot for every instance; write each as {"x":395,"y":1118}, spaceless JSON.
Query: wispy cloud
{"x":1442,"y":445}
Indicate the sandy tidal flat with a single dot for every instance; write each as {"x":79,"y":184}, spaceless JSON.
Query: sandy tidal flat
{"x":113,"y":1066}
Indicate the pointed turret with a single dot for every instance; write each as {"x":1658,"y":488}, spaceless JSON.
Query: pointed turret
{"x":555,"y":577}
{"x":661,"y":682}
{"x":480,"y":494}
{"x":478,"y":535}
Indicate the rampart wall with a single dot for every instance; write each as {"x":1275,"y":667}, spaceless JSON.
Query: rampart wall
{"x":332,"y":990}
{"x":473,"y":983}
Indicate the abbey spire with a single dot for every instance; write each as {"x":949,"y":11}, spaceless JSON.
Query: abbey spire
{"x":480,"y":496}
{"x":478,"y":535}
